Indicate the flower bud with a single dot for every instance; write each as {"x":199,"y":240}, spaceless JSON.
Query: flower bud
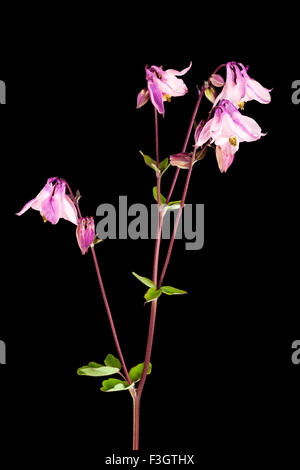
{"x":210,"y":92}
{"x":142,"y":98}
{"x":181,"y":160}
{"x":217,"y":80}
{"x":85,"y":233}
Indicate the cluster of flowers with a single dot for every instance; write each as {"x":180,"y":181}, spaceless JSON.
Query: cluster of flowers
{"x":226,"y":129}
{"x":54,"y":204}
{"x":228,"y":126}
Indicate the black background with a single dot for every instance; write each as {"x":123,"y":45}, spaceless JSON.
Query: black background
{"x":223,"y":384}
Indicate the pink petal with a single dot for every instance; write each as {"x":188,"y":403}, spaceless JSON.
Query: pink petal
{"x":203,"y":134}
{"x":225,"y":156}
{"x":246,"y":128}
{"x":69,"y":211}
{"x":37,"y":202}
{"x":235,"y":86}
{"x":182,"y":72}
{"x":255,"y":91}
{"x":156,"y":95}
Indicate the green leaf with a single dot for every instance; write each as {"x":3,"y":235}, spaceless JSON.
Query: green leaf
{"x":162,"y":198}
{"x":150,"y":162}
{"x":112,"y":361}
{"x":172,"y":203}
{"x":135,"y":373}
{"x":163,"y":172}
{"x":152,"y":294}
{"x":145,"y":281}
{"x":97,"y":370}
{"x":164,"y":164}
{"x":201,"y":154}
{"x":115,"y":385}
{"x":172,"y":290}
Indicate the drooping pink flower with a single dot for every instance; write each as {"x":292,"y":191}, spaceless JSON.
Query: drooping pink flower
{"x":162,"y":85}
{"x":53,"y":203}
{"x":227,"y":129}
{"x":240,"y":88}
{"x":85,"y":233}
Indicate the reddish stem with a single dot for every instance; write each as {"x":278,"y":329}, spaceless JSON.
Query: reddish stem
{"x":154,"y":303}
{"x":187,"y":182}
{"x":110,"y":315}
{"x":158,"y":175}
{"x":200,"y":93}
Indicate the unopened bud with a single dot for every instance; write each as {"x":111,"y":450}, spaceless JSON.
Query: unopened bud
{"x":210,"y":94}
{"x":142,"y":98}
{"x":85,"y":233}
{"x":216,"y":80}
{"x":181,"y":160}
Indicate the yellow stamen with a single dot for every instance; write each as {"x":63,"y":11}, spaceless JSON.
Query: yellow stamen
{"x":241,"y":105}
{"x":232,"y":140}
{"x":44,"y":218}
{"x":167,"y":97}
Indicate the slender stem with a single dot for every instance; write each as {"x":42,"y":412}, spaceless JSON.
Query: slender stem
{"x":187,"y":182}
{"x":103,"y":293}
{"x":149,"y":347}
{"x":153,"y":311}
{"x":136,"y":423}
{"x":73,"y":198}
{"x":110,"y":315}
{"x":200,"y":94}
{"x":154,"y":303}
{"x":155,"y":263}
{"x":173,"y":185}
{"x":158,"y":175}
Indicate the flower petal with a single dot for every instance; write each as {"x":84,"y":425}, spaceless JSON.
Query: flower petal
{"x":182,"y":72}
{"x":37,"y":202}
{"x":203,"y":134}
{"x":69,"y":211}
{"x":156,"y":95}
{"x":235,"y":86}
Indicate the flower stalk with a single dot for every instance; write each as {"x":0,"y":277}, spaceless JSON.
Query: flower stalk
{"x":225,"y":128}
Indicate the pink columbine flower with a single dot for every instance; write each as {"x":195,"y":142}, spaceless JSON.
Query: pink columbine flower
{"x":161,"y":86}
{"x":53,"y":203}
{"x":239,"y":87}
{"x":85,"y":233}
{"x":227,"y":129}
